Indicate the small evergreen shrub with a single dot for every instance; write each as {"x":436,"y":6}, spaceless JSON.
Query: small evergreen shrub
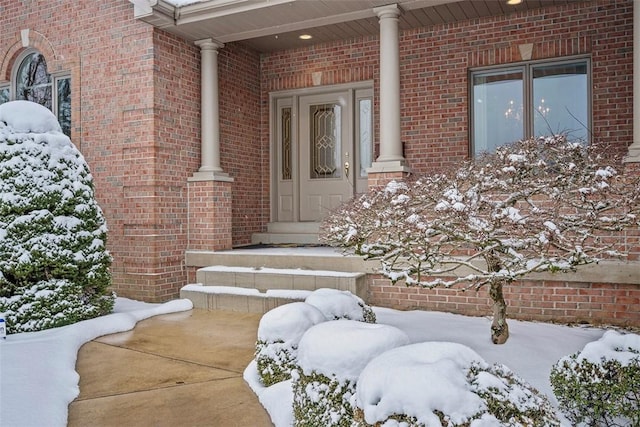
{"x":319,"y":400}
{"x":54,"y":266}
{"x":509,"y":398}
{"x":336,"y":304}
{"x":279,"y":333}
{"x":601,"y":388}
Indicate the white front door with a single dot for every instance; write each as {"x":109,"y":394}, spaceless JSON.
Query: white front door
{"x":322,"y":144}
{"x":326,"y":154}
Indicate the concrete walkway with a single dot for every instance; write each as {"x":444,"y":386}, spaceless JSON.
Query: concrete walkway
{"x":182,"y":369}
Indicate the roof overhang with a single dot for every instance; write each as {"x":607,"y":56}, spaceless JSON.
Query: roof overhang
{"x":269,"y":25}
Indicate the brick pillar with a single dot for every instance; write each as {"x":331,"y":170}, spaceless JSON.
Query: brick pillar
{"x":209,"y":221}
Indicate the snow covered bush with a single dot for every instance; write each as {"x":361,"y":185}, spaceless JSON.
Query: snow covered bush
{"x":600,"y":386}
{"x":331,"y":356}
{"x":439,"y":384}
{"x":539,"y":205}
{"x":336,"y":304}
{"x":279,"y":333}
{"x":54,"y":267}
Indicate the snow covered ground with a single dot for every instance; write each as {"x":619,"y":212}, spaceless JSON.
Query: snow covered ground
{"x":530,"y":352}
{"x":37,"y":369}
{"x":38,"y":378}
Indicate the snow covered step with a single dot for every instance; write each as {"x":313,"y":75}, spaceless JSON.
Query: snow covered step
{"x":232,"y":298}
{"x":258,"y":290}
{"x":265,"y":279}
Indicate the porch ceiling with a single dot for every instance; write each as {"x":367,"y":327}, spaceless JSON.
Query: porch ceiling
{"x":272,"y":25}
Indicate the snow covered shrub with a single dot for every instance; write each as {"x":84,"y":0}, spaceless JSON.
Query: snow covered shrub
{"x":331,"y":355}
{"x":539,"y":205}
{"x":445,"y":384}
{"x":600,"y":386}
{"x":336,"y":304}
{"x":279,"y":333}
{"x":53,"y":260}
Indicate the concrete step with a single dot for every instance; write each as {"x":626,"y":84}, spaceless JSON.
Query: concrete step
{"x":238,"y":299}
{"x":304,"y":258}
{"x":258,"y":290}
{"x":288,"y":232}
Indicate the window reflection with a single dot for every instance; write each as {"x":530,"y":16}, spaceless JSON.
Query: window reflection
{"x":33,"y":81}
{"x":498,"y":109}
{"x":4,"y":95}
{"x":530,"y":100}
{"x":63,"y":90}
{"x":560,"y":100}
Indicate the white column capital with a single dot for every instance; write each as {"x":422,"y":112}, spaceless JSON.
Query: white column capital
{"x":208,"y":44}
{"x":388,"y":11}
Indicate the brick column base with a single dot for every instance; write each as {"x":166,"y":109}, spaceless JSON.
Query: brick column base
{"x":632,"y":168}
{"x":209,"y":226}
{"x":380,"y":179}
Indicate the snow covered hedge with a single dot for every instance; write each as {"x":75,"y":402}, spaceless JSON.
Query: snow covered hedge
{"x":336,"y":304}
{"x":54,"y":267}
{"x":446,"y":384}
{"x":331,"y":356}
{"x":281,"y":329}
{"x":279,"y":333}
{"x":601,"y":385}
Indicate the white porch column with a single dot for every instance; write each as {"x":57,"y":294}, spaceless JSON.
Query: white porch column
{"x":633,"y":155}
{"x":391,"y":158}
{"x":209,"y":113}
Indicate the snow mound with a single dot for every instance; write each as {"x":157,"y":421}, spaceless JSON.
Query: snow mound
{"x":336,"y":304}
{"x":612,"y":346}
{"x":28,"y":117}
{"x":342,"y":348}
{"x":417,"y":380}
{"x":436,"y":382}
{"x":288,"y":322}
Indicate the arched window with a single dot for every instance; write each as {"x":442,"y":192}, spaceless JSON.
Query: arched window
{"x":31,"y":81}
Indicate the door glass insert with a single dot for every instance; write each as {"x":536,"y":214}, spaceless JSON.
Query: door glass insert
{"x":365,"y":124}
{"x":285,"y":142}
{"x":325,"y":141}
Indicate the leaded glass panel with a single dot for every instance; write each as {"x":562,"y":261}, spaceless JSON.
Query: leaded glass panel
{"x":285,"y":142}
{"x":325,"y":141}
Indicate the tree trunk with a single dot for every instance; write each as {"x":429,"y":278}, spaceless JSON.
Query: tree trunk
{"x":499,"y":327}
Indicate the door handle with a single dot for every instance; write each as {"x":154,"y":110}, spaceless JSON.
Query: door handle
{"x":346,"y":169}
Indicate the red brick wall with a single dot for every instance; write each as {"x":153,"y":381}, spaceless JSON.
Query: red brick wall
{"x":435,"y":62}
{"x":135,"y":106}
{"x":243,"y":154}
{"x":549,"y":301}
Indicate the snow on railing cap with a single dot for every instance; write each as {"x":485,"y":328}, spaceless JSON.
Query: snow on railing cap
{"x":28,"y":117}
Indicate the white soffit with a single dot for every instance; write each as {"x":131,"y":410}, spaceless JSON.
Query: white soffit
{"x":268,"y":25}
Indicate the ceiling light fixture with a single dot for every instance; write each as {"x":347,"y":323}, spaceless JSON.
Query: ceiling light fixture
{"x":513,"y":2}
{"x":305,"y":36}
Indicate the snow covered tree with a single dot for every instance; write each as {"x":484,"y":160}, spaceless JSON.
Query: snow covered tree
{"x":54,"y":266}
{"x":539,"y":205}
